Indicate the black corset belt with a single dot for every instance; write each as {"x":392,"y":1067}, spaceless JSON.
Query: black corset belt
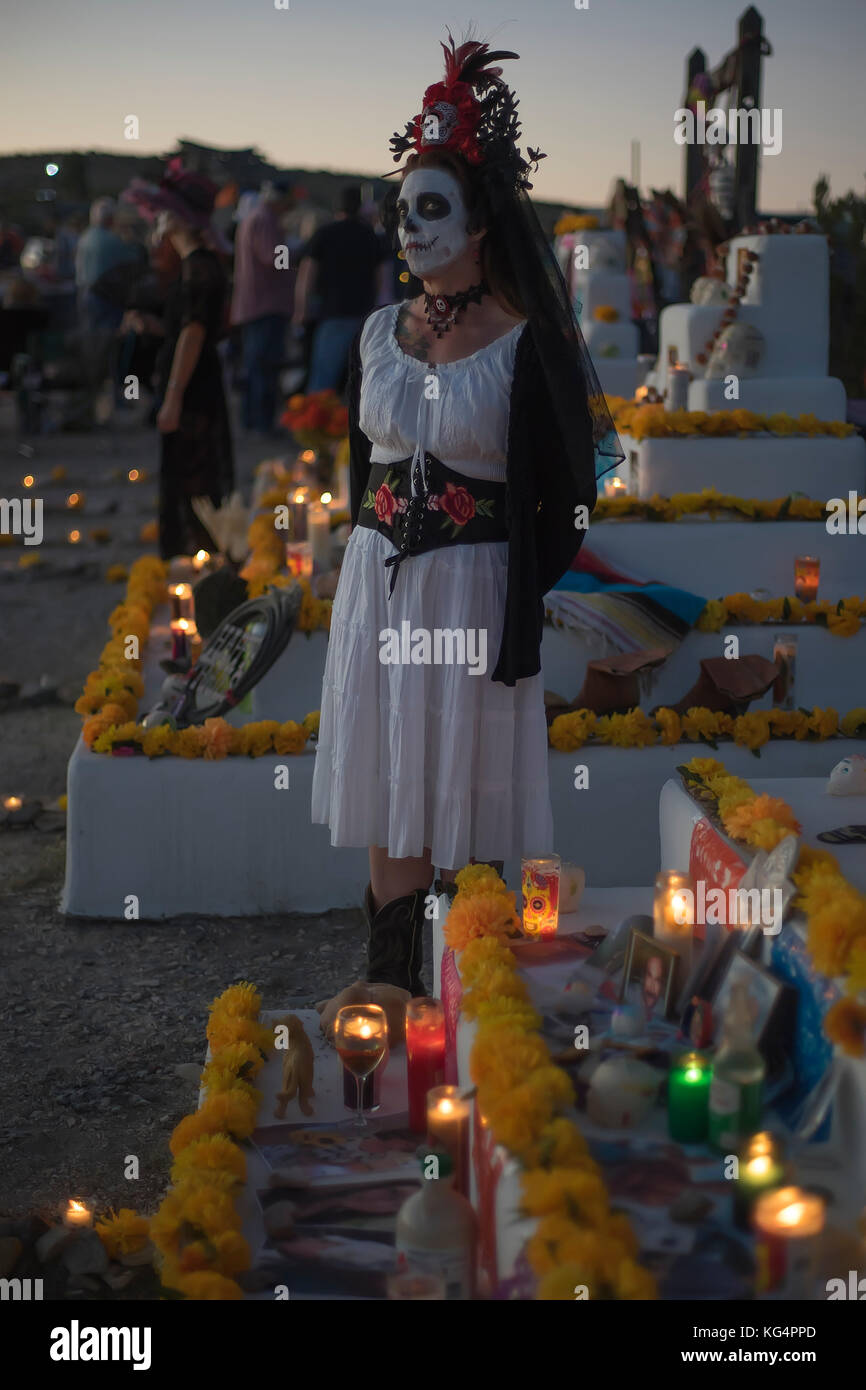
{"x":448,"y":508}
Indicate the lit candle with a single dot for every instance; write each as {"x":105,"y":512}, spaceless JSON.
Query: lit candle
{"x":179,"y":639}
{"x":133,"y":475}
{"x":181,"y":601}
{"x":74,"y":537}
{"x":448,"y":1127}
{"x":199,"y":560}
{"x":679,"y":377}
{"x":807,"y":570}
{"x":28,"y":480}
{"x":614,"y":487}
{"x":787,"y":1223}
{"x":13,"y":803}
{"x":299,"y":558}
{"x":326,"y":499}
{"x":298,"y":514}
{"x":760,"y":1170}
{"x":425,"y":1056}
{"x":73,"y":500}
{"x":319,"y":533}
{"x":673,"y":914}
{"x":540,"y":882}
{"x":689,"y":1098}
{"x":77,"y":1215}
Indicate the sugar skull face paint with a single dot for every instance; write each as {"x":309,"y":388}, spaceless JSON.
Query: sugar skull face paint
{"x":432,"y":221}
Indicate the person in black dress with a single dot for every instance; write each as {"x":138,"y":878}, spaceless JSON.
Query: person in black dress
{"x":197,"y":457}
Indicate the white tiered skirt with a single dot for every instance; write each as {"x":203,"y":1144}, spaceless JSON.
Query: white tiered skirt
{"x":417,"y":756}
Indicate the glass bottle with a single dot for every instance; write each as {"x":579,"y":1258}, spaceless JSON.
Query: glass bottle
{"x":738,"y":1077}
{"x":437,"y":1229}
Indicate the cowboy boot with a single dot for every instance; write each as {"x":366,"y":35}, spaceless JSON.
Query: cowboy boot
{"x":395,"y":949}
{"x":727,"y":685}
{"x":611,"y":684}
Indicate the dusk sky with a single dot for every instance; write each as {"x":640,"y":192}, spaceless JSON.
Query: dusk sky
{"x":325,"y":83}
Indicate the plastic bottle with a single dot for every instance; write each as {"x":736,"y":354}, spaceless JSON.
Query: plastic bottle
{"x":738,"y":1077}
{"x":437,"y":1229}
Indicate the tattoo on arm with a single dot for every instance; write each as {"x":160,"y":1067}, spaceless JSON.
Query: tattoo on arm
{"x":414,"y":341}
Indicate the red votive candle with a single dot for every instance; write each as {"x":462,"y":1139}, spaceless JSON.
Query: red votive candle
{"x":425,"y":1056}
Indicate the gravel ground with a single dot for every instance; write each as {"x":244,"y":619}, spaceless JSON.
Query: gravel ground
{"x":95,"y":1019}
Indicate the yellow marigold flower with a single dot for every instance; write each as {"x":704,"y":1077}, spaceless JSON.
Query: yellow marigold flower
{"x":258,"y":738}
{"x":479,"y":954}
{"x":479,"y":878}
{"x":569,"y":732}
{"x":844,"y":624}
{"x":482,"y":914}
{"x":501,"y":1006}
{"x":752,"y":730}
{"x":558,"y":1242}
{"x":619,"y":1227}
{"x":856,"y":964}
{"x":824,"y":722}
{"x":635,"y":1284}
{"x":845,"y":1024}
{"x":560,"y":1145}
{"x":208,"y":1287}
{"x":700,"y":724}
{"x":671,"y":726}
{"x":217,"y":1079}
{"x":553,"y":1084}
{"x":157,"y":741}
{"x":705,"y":767}
{"x":242,"y":1000}
{"x":605,"y":313}
{"x":212,"y":1155}
{"x":123,"y":1232}
{"x":311,"y":722}
{"x":833,"y":929}
{"x":227,"y":1112}
{"x":115,"y":574}
{"x":187,"y":743}
{"x":741,"y":821}
{"x":854,"y":722}
{"x":291,"y":737}
{"x":580,"y":1196}
{"x":224,"y":1028}
{"x":241,"y":1059}
{"x":517,"y":1118}
{"x":218,"y":739}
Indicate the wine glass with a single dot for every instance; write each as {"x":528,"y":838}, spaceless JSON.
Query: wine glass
{"x":361,"y":1038}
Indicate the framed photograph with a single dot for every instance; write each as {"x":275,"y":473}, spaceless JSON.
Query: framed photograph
{"x":649,"y":975}
{"x":766,"y":997}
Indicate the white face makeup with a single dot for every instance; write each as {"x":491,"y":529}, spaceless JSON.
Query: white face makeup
{"x":432,"y":221}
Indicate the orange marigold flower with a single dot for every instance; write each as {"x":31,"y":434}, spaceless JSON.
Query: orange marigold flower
{"x":845,"y":1024}
{"x":218,"y":739}
{"x":483,"y":914}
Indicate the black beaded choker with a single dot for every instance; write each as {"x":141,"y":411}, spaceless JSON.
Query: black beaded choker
{"x":442,"y":309}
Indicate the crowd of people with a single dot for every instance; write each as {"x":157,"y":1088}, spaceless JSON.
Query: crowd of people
{"x":154,"y":291}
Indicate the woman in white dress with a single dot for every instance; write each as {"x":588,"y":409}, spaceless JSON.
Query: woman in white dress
{"x":470,"y":496}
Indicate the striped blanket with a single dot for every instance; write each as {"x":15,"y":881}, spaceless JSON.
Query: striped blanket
{"x":619,"y":612}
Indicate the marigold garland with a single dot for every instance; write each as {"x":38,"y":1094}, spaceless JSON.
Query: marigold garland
{"x":712,"y":502}
{"x":197,"y":1227}
{"x":522,"y":1095}
{"x":752,"y":730}
{"x":835,"y":911}
{"x":654,"y":422}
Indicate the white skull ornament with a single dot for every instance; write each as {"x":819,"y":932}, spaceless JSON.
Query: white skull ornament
{"x":738,"y":351}
{"x":848,"y":778}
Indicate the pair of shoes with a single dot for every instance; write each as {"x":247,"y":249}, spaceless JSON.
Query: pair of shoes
{"x":395,"y":947}
{"x":611,"y":684}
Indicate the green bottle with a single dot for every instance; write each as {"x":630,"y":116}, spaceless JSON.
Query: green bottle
{"x":738,"y":1078}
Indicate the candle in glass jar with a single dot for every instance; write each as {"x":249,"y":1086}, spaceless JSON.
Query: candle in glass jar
{"x":540,"y":883}
{"x":760,"y":1169}
{"x":673,"y":914}
{"x":181,"y":601}
{"x":425,"y":1056}
{"x":807,"y":570}
{"x":614,"y":487}
{"x":689,"y":1098}
{"x":12,"y":803}
{"x":319,"y":533}
{"x":180,"y":639}
{"x":199,"y":560}
{"x":679,"y":377}
{"x":299,"y":559}
{"x":77,"y":1215}
{"x":448,"y":1127}
{"x":787,"y":1224}
{"x":298,"y":504}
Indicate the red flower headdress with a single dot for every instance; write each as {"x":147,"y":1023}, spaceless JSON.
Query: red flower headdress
{"x":471,"y":111}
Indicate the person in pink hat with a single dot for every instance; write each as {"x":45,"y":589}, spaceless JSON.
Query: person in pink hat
{"x":193,"y":419}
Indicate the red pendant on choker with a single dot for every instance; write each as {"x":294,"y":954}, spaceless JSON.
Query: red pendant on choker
{"x":441,"y":310}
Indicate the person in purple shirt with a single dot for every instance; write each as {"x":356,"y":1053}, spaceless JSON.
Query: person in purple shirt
{"x":262,"y":300}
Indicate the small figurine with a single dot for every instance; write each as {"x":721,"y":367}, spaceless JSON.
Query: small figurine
{"x":848,"y":778}
{"x":297,"y":1069}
